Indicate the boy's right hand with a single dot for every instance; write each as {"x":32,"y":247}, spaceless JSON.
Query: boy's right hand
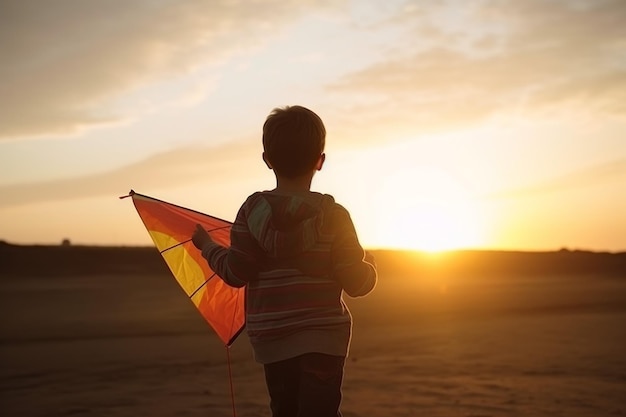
{"x":200,"y":237}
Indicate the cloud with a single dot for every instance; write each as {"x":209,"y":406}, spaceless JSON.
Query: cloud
{"x":65,"y":62}
{"x":498,"y":57}
{"x":167,"y":169}
{"x":585,"y":177}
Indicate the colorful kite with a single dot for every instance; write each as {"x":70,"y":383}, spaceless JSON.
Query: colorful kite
{"x":170,"y":227}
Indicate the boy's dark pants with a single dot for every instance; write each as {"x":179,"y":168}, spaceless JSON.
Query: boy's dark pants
{"x":305,"y":386}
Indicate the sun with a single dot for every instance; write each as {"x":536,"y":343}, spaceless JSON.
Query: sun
{"x":426,"y":209}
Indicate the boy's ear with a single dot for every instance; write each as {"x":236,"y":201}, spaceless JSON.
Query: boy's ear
{"x":320,"y":162}
{"x":266,"y":161}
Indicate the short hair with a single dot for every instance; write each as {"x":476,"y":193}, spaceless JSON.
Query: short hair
{"x":293,"y":140}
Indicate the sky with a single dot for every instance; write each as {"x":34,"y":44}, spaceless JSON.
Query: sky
{"x":495,"y":124}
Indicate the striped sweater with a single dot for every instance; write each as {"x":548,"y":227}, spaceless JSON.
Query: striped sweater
{"x":296,"y":253}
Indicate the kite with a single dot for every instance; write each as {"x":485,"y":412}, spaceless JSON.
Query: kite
{"x":170,"y":227}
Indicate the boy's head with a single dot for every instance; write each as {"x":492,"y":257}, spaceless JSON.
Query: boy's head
{"x":293,"y":141}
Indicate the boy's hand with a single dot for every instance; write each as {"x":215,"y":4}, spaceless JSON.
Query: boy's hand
{"x":200,"y":237}
{"x":369,"y":258}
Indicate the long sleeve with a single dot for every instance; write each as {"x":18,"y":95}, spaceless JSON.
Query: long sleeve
{"x":239,"y":263}
{"x":357,"y":276}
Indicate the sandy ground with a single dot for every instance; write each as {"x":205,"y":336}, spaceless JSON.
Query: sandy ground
{"x":132,"y":345}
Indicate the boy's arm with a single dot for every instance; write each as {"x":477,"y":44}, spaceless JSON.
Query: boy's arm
{"x":237,"y":264}
{"x":352,"y":267}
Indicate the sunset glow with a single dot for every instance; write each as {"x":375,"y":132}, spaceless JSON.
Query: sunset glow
{"x":426,"y":210}
{"x":450,"y":124}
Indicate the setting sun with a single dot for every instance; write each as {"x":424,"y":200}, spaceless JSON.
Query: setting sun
{"x":426,"y":209}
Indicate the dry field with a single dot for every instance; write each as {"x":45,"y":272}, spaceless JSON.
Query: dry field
{"x":423,"y":345}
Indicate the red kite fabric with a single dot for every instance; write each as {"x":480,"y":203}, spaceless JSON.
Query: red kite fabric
{"x":170,"y":227}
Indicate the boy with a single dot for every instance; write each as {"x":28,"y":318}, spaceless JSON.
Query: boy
{"x":296,"y":251}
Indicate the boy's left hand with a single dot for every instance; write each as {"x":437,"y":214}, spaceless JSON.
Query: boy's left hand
{"x":200,"y":237}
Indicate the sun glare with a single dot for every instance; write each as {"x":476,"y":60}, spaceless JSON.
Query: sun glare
{"x":426,"y":209}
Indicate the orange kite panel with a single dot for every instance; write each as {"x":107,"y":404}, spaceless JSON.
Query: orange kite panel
{"x":170,"y":227}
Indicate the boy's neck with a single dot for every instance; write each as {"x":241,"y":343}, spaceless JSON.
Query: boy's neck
{"x":302,"y":183}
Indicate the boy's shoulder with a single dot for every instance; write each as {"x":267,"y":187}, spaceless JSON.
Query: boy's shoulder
{"x":273,"y":198}
{"x":289,"y":223}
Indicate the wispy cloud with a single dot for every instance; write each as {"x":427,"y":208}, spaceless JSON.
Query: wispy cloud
{"x":585,"y":177}
{"x":167,"y":169}
{"x":65,"y":62}
{"x":500,"y":56}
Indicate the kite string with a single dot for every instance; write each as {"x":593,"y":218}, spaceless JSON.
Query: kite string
{"x":230,"y":379}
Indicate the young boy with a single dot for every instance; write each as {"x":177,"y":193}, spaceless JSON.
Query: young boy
{"x":297,"y":251}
